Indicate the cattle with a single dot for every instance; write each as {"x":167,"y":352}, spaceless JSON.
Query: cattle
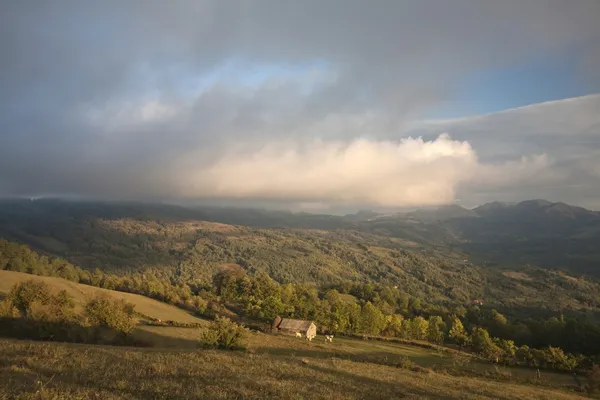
{"x":329,"y":338}
{"x":298,"y":334}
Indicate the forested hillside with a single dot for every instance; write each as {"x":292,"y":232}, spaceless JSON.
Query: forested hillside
{"x":125,"y":238}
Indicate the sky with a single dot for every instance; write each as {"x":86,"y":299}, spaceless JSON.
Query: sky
{"x":312,"y":105}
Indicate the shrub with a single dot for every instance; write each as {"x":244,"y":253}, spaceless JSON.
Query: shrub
{"x":405,"y":363}
{"x":117,"y":315}
{"x":34,"y":312}
{"x":224,"y":333}
{"x":23,"y":294}
{"x":53,"y":321}
{"x":7,"y":310}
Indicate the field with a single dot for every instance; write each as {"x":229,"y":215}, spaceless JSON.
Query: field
{"x":80,"y":293}
{"x":43,"y":370}
{"x":272,"y":365}
{"x":365,"y":351}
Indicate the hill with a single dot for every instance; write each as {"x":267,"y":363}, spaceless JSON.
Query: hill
{"x":423,"y":259}
{"x":442,"y":213}
{"x":191,"y":251}
{"x":534,"y":232}
{"x":81,"y":293}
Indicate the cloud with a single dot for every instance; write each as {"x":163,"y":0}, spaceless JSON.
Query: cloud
{"x":408,"y":172}
{"x":312,"y":102}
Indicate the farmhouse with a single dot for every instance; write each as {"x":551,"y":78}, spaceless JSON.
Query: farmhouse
{"x":293,"y":326}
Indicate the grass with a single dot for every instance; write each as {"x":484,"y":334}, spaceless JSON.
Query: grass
{"x":364,"y":351}
{"x":32,"y":370}
{"x":81,"y":293}
{"x":273,"y":365}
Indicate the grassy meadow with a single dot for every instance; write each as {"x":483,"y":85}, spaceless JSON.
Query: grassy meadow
{"x":272,"y":366}
{"x":377,"y":352}
{"x":81,"y":293}
{"x":33,"y":370}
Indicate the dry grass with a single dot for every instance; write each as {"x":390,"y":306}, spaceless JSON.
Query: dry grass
{"x":41,"y":370}
{"x":81,"y":293}
{"x":273,"y":366}
{"x":368,"y":352}
{"x":520,"y":276}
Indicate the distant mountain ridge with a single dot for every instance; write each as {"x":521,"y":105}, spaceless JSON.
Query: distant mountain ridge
{"x":537,"y":207}
{"x":541,"y":233}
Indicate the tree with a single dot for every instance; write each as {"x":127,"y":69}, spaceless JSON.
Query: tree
{"x":482,"y":343}
{"x":23,"y":294}
{"x":509,"y":350}
{"x":524,"y":355}
{"x":556,"y":357}
{"x":354,"y":317}
{"x":393,"y":325}
{"x":435,"y":329}
{"x":419,"y":328}
{"x":114,"y":314}
{"x":406,"y":329}
{"x":415,"y":305}
{"x":372,"y":320}
{"x":458,"y":333}
{"x":271,"y":307}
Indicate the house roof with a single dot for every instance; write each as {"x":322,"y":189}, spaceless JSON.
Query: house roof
{"x":294,"y":324}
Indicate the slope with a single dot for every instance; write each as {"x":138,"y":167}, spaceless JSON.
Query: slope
{"x":51,"y":370}
{"x":81,"y":293}
{"x":422,"y":258}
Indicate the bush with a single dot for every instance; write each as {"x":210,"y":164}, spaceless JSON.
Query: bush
{"x":53,"y":321}
{"x":224,"y":334}
{"x":23,"y":294}
{"x":116,"y":315}
{"x":32,"y":311}
{"x":405,"y":363}
{"x":7,"y":310}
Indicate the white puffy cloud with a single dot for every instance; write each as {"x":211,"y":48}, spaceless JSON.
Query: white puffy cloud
{"x":383,"y":173}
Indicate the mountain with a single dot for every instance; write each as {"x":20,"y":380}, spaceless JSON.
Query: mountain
{"x":361,"y":215}
{"x":539,"y":211}
{"x":442,"y":213}
{"x":537,"y":232}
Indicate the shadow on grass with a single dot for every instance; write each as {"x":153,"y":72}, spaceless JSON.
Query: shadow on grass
{"x":65,"y":331}
{"x":379,"y":357}
{"x":167,"y":341}
{"x":365,"y":387}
